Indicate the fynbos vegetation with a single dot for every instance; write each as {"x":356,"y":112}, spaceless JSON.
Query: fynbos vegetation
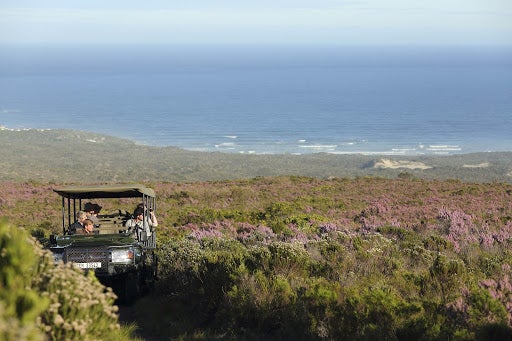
{"x":41,"y":300}
{"x":363,"y":258}
{"x":56,"y":156}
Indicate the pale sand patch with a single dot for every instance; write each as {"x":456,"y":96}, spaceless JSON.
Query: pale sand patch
{"x":385,"y":163}
{"x":480,"y":165}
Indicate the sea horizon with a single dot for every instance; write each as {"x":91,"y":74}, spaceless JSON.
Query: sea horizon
{"x":268,"y":100}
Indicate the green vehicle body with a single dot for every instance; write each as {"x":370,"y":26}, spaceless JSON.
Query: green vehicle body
{"x":122,"y":259}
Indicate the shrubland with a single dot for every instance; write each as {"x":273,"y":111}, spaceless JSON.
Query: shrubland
{"x":42,"y":300}
{"x":57,"y":155}
{"x":282,"y":257}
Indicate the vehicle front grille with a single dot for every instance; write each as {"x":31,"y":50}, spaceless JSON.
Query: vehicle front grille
{"x":88,"y":255}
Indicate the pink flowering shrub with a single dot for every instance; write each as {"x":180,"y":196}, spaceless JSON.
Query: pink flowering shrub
{"x":310,"y":258}
{"x":501,"y":290}
{"x":458,"y":227}
{"x":425,"y":206}
{"x":203,"y":231}
{"x":247,"y":233}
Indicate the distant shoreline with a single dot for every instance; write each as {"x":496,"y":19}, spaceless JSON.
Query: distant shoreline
{"x":71,"y":156}
{"x":435,"y":150}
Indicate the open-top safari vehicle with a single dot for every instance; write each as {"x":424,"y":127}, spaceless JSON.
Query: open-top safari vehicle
{"x":121,"y":258}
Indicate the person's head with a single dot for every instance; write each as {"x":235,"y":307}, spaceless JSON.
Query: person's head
{"x":97,"y":208}
{"x":81,"y":216}
{"x":91,"y":208}
{"x":138,"y":213}
{"x":144,"y":207}
{"x":88,"y":225}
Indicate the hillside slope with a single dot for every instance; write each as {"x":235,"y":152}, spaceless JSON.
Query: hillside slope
{"x":77,"y":156}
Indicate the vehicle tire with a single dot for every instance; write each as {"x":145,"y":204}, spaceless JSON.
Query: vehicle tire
{"x":127,"y":287}
{"x":133,"y":287}
{"x":149,"y":272}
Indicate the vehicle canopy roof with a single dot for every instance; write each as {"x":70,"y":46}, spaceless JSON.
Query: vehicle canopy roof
{"x":105,"y":191}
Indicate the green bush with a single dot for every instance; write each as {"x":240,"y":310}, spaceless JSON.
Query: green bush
{"x":373,"y":313}
{"x":80,"y":308}
{"x":306,"y":222}
{"x":43,"y":300}
{"x":260,"y":303}
{"x":289,"y":259}
{"x":20,"y":303}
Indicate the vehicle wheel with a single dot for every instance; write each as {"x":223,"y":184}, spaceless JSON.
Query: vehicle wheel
{"x":149,"y":273}
{"x":127,"y":287}
{"x":132,"y":286}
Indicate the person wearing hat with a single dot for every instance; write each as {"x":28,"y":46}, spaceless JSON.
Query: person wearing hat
{"x":139,"y":223}
{"x":92,"y":211}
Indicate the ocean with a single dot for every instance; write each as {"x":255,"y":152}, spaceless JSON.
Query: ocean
{"x":267,"y":99}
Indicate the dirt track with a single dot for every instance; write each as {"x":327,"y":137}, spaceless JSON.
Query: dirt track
{"x":127,"y":316}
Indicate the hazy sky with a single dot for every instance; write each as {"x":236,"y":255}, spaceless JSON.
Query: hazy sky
{"x":263,"y":21}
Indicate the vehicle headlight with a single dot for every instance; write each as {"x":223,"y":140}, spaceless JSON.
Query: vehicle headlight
{"x":121,"y":256}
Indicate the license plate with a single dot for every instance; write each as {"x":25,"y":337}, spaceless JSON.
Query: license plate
{"x":93,"y":265}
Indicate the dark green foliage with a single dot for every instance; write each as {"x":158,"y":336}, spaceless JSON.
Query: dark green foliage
{"x":321,"y":290}
{"x":20,"y":303}
{"x":494,"y":332}
{"x":438,"y":244}
{"x":398,"y":232}
{"x":486,"y":311}
{"x":43,"y":300}
{"x":446,"y":276}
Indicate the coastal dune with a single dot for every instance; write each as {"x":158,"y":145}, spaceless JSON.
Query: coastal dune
{"x":480,"y":165}
{"x":386,"y":163}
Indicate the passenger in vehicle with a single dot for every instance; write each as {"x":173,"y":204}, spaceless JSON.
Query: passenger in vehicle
{"x":92,"y":211}
{"x":139,"y":223}
{"x":150,"y":214}
{"x":88,"y":227}
{"x":78,"y":224}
